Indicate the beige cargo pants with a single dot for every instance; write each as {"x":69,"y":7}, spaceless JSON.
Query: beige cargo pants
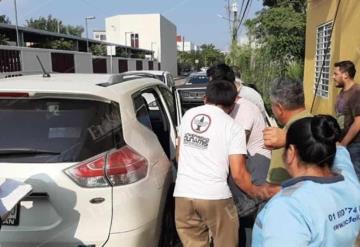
{"x":197,"y":220}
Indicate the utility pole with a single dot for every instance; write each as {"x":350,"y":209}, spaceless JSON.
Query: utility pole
{"x":234,"y":10}
{"x":16,"y":25}
{"x":87,"y":34}
{"x":183,"y":43}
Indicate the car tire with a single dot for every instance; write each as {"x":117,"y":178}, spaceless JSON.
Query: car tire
{"x":169,"y":236}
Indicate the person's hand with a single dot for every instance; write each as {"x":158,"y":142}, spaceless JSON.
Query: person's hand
{"x":274,"y":138}
{"x":266,"y":191}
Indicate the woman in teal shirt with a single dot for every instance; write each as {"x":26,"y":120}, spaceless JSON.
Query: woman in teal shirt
{"x":320,"y":205}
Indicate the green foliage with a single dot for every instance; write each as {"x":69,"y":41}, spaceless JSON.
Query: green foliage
{"x":98,"y":49}
{"x":297,"y":5}
{"x":54,"y":25}
{"x":4,"y":19}
{"x":255,"y":66}
{"x":72,"y":30}
{"x":59,"y":44}
{"x":276,"y":45}
{"x":281,"y":31}
{"x":296,"y":71}
{"x":207,"y":55}
{"x":3,"y":39}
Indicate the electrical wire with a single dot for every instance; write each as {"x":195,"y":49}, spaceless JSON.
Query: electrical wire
{"x":243,"y":15}
{"x":326,"y":52}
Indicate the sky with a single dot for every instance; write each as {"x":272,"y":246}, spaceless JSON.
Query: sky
{"x":196,"y":20}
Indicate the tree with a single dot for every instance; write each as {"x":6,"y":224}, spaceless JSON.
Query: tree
{"x":281,"y":31}
{"x":57,"y":44}
{"x":276,"y":44}
{"x":61,"y":44}
{"x":4,"y":19}
{"x":98,"y":49}
{"x":73,"y":30}
{"x":54,"y":25}
{"x":207,"y":55}
{"x":3,"y":39}
{"x":297,"y":5}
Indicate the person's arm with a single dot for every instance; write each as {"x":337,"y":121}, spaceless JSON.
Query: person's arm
{"x":274,"y":137}
{"x":352,"y":132}
{"x":342,"y":162}
{"x":243,"y":179}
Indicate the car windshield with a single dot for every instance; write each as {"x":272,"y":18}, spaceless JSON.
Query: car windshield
{"x":57,"y":130}
{"x":199,"y":79}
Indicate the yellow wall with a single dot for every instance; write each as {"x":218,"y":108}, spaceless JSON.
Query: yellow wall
{"x":345,"y":45}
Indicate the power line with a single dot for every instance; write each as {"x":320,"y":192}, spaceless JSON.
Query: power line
{"x":243,"y":16}
{"x":326,"y":52}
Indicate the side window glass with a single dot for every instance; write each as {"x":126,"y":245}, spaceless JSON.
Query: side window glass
{"x":142,"y":112}
{"x":169,"y":100}
{"x":153,"y":116}
{"x":170,"y":80}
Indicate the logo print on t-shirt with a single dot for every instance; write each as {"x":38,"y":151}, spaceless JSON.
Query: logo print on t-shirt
{"x":200,"y":123}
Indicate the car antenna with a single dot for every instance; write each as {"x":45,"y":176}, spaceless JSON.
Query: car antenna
{"x":45,"y":73}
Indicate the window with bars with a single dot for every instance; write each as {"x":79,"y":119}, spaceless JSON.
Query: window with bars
{"x":322,"y":76}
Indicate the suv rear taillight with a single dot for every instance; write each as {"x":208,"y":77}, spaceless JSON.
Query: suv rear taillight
{"x":117,"y":167}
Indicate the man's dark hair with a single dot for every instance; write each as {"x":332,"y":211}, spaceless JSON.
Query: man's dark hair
{"x":221,"y":72}
{"x":287,"y":92}
{"x":346,"y":66}
{"x":221,"y":92}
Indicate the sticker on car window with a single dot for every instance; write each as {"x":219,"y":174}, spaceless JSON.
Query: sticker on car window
{"x":53,"y":109}
{"x":65,"y":132}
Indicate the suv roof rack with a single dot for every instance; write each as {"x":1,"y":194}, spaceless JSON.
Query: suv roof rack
{"x":126,"y":76}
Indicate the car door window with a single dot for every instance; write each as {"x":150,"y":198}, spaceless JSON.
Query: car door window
{"x":169,"y":100}
{"x":170,"y":80}
{"x":142,"y":112}
{"x":153,"y":116}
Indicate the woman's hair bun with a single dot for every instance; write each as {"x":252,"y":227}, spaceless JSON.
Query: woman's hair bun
{"x":325,"y":129}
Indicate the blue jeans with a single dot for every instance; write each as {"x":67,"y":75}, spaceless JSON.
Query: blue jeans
{"x":354,"y":150}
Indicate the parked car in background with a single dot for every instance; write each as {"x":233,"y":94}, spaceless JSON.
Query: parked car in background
{"x":193,"y":90}
{"x":197,"y":78}
{"x":98,"y":156}
{"x":163,"y":76}
{"x":191,"y":93}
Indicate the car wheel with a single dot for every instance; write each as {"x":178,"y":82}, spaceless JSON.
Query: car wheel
{"x":169,"y":236}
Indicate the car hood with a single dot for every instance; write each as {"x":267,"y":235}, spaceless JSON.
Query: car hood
{"x":202,"y":85}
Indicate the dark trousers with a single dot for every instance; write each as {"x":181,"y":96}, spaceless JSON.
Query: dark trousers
{"x":354,"y":150}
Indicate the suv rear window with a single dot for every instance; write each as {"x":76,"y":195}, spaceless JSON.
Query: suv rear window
{"x":57,"y":130}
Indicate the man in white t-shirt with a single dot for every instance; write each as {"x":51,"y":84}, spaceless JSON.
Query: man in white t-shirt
{"x":258,"y":160}
{"x":211,"y":144}
{"x":251,"y":95}
{"x":252,"y":119}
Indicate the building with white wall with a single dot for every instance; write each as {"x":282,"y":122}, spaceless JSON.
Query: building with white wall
{"x":183,"y":45}
{"x":99,"y":35}
{"x":146,"y":31}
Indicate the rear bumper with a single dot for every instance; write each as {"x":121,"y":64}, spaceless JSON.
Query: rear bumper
{"x":145,"y":235}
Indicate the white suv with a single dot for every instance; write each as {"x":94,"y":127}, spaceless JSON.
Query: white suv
{"x":98,"y":156}
{"x":161,"y":75}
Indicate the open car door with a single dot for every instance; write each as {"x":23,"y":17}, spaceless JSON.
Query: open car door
{"x":187,"y":98}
